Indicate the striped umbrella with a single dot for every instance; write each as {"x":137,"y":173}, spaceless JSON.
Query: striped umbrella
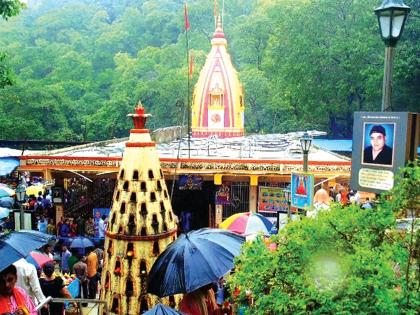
{"x":246,"y":223}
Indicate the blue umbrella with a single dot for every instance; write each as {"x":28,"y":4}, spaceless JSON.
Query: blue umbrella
{"x":17,"y":245}
{"x":194,"y":260}
{"x":7,"y":202}
{"x":161,"y":309}
{"x":4,"y":212}
{"x":81,"y":243}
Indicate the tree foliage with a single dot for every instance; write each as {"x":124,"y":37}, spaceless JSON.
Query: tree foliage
{"x":347,"y":260}
{"x":303,"y":63}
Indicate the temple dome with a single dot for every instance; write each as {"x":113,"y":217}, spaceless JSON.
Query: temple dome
{"x":218,"y":101}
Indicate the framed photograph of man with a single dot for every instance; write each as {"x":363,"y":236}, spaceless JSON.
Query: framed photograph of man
{"x":378,"y":143}
{"x":382,"y":143}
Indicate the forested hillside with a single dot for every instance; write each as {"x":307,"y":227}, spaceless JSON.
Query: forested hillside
{"x":73,"y":69}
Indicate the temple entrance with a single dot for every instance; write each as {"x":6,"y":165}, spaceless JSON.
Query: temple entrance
{"x":199,"y":203}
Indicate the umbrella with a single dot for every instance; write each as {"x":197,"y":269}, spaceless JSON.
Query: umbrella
{"x":7,"y":202}
{"x":194,"y":260}
{"x":246,"y":223}
{"x":38,"y":259}
{"x":161,"y":309}
{"x":81,"y":243}
{"x":34,"y":190}
{"x":6,"y":191}
{"x":17,"y":245}
{"x":4,"y":212}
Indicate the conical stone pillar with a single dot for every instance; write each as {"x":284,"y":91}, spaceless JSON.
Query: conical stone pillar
{"x":141,"y":224}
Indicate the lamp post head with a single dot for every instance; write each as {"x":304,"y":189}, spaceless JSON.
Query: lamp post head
{"x":392,"y":15}
{"x":305,"y":142}
{"x":20,"y":192}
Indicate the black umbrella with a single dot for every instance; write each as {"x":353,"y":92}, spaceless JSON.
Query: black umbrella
{"x":161,"y":309}
{"x":194,"y":260}
{"x":17,"y":245}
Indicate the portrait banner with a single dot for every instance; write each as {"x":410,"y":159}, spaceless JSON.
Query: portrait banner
{"x":302,"y":190}
{"x":382,"y":143}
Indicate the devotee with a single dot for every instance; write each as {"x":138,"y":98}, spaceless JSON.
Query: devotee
{"x":14,"y":300}
{"x":92,"y":270}
{"x":65,"y":255}
{"x":199,"y":302}
{"x":27,"y":279}
{"x":53,"y":286}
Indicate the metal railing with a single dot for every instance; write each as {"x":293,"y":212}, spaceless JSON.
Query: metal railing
{"x":79,"y":302}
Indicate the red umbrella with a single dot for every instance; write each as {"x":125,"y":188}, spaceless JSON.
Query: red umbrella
{"x":38,"y":259}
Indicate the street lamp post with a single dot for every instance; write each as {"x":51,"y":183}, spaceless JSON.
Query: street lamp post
{"x":20,"y":196}
{"x":305,"y":143}
{"x":392,"y":15}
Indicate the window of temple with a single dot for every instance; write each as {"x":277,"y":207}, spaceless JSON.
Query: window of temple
{"x":143,"y":231}
{"x":135,"y":175}
{"x":152,"y":196}
{"x":170,"y":216}
{"x":117,"y":269}
{"x":129,"y":287}
{"x":115,"y":308}
{"x":143,"y":209}
{"x":117,"y":195}
{"x":120,"y":229}
{"x":172,"y":302}
{"x":216,"y":100}
{"x":161,"y":173}
{"x":143,"y":268}
{"x":151,"y":176}
{"x":159,"y":186}
{"x":131,"y":225}
{"x":143,"y":187}
{"x":165,"y":193}
{"x":133,"y":197}
{"x":156,"y":250}
{"x":143,"y":305}
{"x":126,"y":185}
{"x":162,"y":207}
{"x":122,"y":208}
{"x":122,"y":174}
{"x":155,"y":224}
{"x":165,"y":227}
{"x":107,"y":281}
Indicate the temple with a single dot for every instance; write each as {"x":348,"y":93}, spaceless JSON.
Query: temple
{"x":141,"y":224}
{"x":218,"y":101}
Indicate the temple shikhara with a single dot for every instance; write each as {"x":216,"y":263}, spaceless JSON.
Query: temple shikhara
{"x":218,"y":100}
{"x":141,"y":224}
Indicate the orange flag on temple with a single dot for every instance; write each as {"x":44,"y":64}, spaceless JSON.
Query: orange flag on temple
{"x":187,"y":23}
{"x":191,"y":64}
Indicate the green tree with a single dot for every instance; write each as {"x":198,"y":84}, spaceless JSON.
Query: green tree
{"x":344,"y":261}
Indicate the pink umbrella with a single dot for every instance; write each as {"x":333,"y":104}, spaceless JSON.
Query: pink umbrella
{"x":38,"y":259}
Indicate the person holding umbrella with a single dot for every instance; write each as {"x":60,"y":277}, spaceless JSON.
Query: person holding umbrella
{"x":14,"y":300}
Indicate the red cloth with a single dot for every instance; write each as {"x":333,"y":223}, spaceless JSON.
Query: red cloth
{"x":19,"y":300}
